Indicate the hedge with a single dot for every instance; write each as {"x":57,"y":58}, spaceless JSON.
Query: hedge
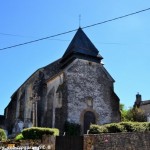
{"x":19,"y":137}
{"x":36,"y":133}
{"x":120,"y":127}
{"x":2,"y":135}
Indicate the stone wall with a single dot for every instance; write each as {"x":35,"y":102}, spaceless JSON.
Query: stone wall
{"x":117,"y":141}
{"x":20,"y":105}
{"x":61,"y":112}
{"x":10,"y":114}
{"x":55,"y":103}
{"x":107,"y":141}
{"x":47,"y":142}
{"x":88,"y":80}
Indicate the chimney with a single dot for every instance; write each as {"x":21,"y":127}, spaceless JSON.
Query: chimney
{"x":138,"y":100}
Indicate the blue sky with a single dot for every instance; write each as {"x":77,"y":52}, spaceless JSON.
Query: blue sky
{"x":123,"y":43}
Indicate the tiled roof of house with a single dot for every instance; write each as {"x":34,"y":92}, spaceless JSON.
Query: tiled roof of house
{"x":145,"y":102}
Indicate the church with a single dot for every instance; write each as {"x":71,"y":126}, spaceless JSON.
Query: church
{"x":75,"y":88}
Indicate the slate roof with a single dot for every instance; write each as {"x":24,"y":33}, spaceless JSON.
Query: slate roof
{"x":145,"y":102}
{"x":52,"y":69}
{"x":81,"y":47}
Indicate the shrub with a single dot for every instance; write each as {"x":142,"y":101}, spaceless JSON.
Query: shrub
{"x":114,"y":127}
{"x":2,"y":135}
{"x":37,"y":132}
{"x":138,"y":115}
{"x":96,"y":129}
{"x":128,"y":126}
{"x":19,"y":137}
{"x":72,"y":129}
{"x":141,"y":126}
{"x":120,"y":127}
{"x":136,"y":126}
{"x":147,"y":126}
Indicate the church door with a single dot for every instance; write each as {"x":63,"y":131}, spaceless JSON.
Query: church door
{"x":89,"y":118}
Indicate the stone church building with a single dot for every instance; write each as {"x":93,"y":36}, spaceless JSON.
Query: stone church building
{"x":75,"y":88}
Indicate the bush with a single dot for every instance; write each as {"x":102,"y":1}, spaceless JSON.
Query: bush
{"x":128,"y":126}
{"x":19,"y":137}
{"x":120,"y":127}
{"x":95,"y":129}
{"x":114,"y":127}
{"x":2,"y":135}
{"x":72,"y":129}
{"x":138,"y":115}
{"x":37,"y":132}
{"x":136,"y":126}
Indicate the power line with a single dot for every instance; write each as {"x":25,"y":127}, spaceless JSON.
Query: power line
{"x":15,"y":35}
{"x":137,"y":12}
{"x":29,"y":42}
{"x":38,"y":40}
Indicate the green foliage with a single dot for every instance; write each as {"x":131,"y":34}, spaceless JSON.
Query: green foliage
{"x":122,"y":107}
{"x":95,"y":129}
{"x":123,"y":113}
{"x":120,"y":127}
{"x":38,"y":132}
{"x":72,"y":129}
{"x":132,"y":114}
{"x":138,"y":115}
{"x":114,"y":127}
{"x":136,"y":126}
{"x":2,"y":135}
{"x":19,"y":137}
{"x":128,"y":126}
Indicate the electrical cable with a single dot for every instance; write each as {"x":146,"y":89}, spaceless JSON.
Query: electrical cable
{"x":29,"y":42}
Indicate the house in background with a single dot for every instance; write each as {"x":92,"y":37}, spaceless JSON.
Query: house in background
{"x":143,"y":104}
{"x":75,"y":88}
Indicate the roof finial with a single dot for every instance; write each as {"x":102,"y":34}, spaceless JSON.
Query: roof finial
{"x":79,"y":20}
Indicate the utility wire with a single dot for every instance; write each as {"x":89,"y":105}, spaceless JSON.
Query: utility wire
{"x":137,"y":12}
{"x":25,"y":43}
{"x":37,"y":40}
{"x":15,"y":35}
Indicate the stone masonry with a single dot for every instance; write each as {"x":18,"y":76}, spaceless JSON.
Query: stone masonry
{"x":99,"y":87}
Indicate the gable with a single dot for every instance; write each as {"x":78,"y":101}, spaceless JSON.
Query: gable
{"x":87,"y":67}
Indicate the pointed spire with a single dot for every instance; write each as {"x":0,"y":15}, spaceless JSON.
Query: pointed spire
{"x":81,"y":47}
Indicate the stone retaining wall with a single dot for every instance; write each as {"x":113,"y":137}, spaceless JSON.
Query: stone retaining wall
{"x":47,"y":142}
{"x":107,"y":141}
{"x":118,"y":141}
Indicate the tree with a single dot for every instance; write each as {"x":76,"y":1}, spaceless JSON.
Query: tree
{"x":138,"y":114}
{"x":124,"y":113}
{"x":132,"y":114}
